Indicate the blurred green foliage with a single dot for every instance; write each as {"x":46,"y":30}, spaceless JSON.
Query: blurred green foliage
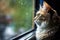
{"x":23,"y":13}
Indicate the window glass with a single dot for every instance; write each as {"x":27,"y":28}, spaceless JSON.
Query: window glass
{"x":15,"y":17}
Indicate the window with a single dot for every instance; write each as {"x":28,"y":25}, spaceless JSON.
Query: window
{"x":18,"y":15}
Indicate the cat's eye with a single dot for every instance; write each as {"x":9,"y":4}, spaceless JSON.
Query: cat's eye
{"x":42,"y":17}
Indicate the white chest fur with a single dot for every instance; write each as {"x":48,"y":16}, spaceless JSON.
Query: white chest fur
{"x":40,"y":32}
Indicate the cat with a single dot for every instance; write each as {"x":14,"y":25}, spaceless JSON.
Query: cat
{"x":46,"y":24}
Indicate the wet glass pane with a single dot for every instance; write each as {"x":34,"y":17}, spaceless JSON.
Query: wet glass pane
{"x":15,"y":17}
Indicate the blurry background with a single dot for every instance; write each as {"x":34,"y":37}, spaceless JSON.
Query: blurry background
{"x":22,"y":16}
{"x":19,"y":15}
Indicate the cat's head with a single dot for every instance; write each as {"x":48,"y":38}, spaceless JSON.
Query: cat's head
{"x":46,"y":14}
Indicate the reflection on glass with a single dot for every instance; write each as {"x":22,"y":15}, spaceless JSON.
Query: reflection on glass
{"x":15,"y":17}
